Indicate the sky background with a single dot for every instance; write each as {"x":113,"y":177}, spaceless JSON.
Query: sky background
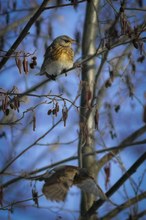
{"x":64,"y":21}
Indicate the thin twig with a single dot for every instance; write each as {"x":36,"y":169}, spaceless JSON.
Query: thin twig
{"x":117,"y":185}
{"x":123,"y":206}
{"x":23,"y":33}
{"x":28,"y":175}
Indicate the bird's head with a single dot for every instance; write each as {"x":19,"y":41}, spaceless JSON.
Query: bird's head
{"x":64,"y":41}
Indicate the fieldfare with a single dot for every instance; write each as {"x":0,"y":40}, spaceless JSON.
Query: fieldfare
{"x":59,"y":57}
{"x":60,"y":179}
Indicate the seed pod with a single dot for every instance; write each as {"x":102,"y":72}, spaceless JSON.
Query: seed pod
{"x":57,"y":107}
{"x":34,"y":58}
{"x":35,"y":197}
{"x":25,"y":65}
{"x":107,"y":170}
{"x":54,"y":112}
{"x":34,"y":121}
{"x":49,"y":112}
{"x":16,"y":102}
{"x":34,"y":62}
{"x":64,"y":115}
{"x":19,"y":65}
{"x":31,"y":65}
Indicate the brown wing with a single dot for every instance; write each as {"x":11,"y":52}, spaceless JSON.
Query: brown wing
{"x":58,"y":182}
{"x":47,"y":59}
{"x":89,"y":185}
{"x":56,"y":191}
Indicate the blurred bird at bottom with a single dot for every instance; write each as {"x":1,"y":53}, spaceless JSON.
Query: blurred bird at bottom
{"x":60,"y":179}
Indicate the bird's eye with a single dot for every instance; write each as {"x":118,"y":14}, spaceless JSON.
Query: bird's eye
{"x":66,"y":41}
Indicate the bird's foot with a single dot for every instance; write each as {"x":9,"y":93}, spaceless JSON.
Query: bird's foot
{"x":77,"y":64}
{"x":64,"y":71}
{"x":52,"y":77}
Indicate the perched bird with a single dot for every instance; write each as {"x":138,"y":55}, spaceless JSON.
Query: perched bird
{"x":59,"y":57}
{"x":60,"y":179}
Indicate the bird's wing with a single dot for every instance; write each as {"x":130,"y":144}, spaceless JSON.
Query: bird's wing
{"x":48,"y":52}
{"x":89,"y":185}
{"x":58,"y":182}
{"x":56,"y":191}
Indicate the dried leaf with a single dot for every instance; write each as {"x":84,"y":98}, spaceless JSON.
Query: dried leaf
{"x":25,"y":65}
{"x":19,"y":65}
{"x":64,"y":114}
{"x":34,"y":121}
{"x":16,"y":103}
{"x":35,"y":197}
{"x":57,"y":107}
{"x":54,"y":112}
{"x":107,"y":170}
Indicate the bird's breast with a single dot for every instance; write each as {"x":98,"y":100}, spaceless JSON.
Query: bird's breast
{"x":63,"y":54}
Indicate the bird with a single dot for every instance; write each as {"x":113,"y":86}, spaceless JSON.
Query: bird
{"x":59,"y":180}
{"x":59,"y":57}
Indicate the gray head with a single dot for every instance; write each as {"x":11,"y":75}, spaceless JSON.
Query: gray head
{"x":64,"y":41}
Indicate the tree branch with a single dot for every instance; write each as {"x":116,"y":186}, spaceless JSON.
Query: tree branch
{"x":117,"y":185}
{"x":127,"y":140}
{"x":123,"y":206}
{"x":23,"y":33}
{"x":27,"y":176}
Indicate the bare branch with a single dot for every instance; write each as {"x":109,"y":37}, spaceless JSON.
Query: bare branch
{"x":118,"y":184}
{"x":123,"y":206}
{"x":23,"y":33}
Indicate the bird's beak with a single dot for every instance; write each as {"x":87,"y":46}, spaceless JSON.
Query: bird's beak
{"x":73,"y":41}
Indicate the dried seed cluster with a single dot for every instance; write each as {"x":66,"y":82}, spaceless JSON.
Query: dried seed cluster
{"x":54,"y":111}
{"x":8,"y":103}
{"x":22,"y":62}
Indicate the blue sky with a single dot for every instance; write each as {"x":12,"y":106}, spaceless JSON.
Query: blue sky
{"x":64,"y":21}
